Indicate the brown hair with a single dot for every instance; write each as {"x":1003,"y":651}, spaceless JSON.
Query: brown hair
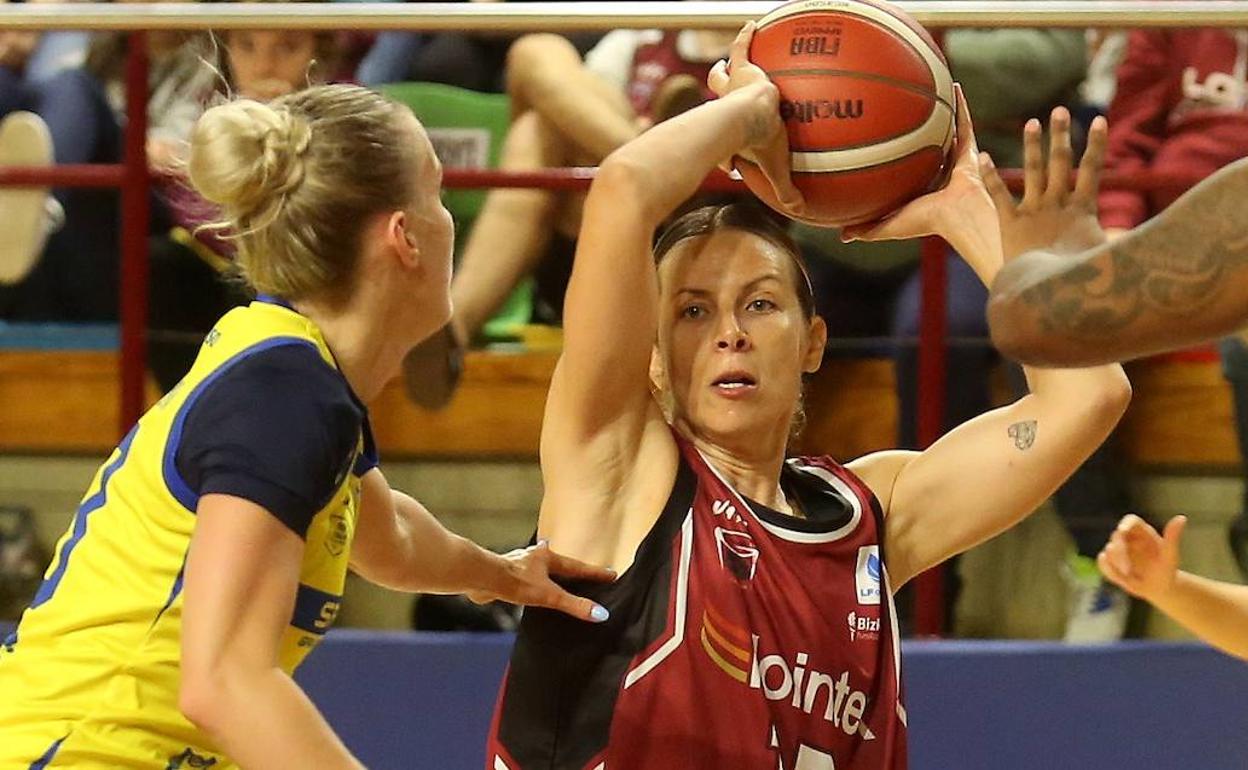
{"x":746,"y":217}
{"x":297,"y":179}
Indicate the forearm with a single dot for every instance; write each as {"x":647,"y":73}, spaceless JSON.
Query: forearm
{"x":1214,"y":611}
{"x":1179,"y":280}
{"x":432,"y":559}
{"x":682,"y":151}
{"x":263,"y":720}
{"x":1021,"y":452}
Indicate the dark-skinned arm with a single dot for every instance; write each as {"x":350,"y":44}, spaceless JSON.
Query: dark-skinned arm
{"x":1180,"y":279}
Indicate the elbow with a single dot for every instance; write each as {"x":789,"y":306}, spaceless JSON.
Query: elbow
{"x":625,"y":176}
{"x":201,"y":700}
{"x":1114,"y":396}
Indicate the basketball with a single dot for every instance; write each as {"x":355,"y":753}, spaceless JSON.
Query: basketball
{"x":867,"y":100}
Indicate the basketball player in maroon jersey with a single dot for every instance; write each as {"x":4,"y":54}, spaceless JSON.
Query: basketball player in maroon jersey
{"x":752,"y":625}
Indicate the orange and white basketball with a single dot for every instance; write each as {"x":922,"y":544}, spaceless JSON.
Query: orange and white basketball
{"x":868,"y":102}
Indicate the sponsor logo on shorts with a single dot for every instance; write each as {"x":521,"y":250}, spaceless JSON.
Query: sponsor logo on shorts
{"x":867,"y":575}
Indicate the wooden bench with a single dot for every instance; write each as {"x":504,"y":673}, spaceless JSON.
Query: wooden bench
{"x":66,"y":401}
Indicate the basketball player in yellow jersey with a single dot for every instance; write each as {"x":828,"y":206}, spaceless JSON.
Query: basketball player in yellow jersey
{"x":208,"y":556}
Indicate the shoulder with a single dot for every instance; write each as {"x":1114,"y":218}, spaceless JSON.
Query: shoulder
{"x":878,"y":471}
{"x":287,"y":377}
{"x":285,"y":399}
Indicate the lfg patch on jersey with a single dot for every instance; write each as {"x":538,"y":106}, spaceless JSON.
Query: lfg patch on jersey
{"x":867,"y":575}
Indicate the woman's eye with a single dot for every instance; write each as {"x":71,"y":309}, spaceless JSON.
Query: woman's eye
{"x":693,"y":311}
{"x":762,"y":305}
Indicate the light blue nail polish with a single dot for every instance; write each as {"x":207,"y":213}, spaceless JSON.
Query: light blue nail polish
{"x":599,"y":613}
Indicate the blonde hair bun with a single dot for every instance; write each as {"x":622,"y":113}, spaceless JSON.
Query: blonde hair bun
{"x":298,"y":179}
{"x":246,"y":156}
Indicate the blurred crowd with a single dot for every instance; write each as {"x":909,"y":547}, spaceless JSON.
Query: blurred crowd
{"x":1175,"y":101}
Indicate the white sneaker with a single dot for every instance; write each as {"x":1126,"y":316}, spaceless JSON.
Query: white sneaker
{"x":24,"y":211}
{"x":1097,"y":610}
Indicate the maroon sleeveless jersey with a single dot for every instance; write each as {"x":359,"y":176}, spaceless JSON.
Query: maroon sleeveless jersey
{"x":739,"y":638}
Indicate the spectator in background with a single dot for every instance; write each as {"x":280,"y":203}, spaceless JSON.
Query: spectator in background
{"x":27,"y":59}
{"x":472,"y":60}
{"x":1181,"y":107}
{"x":191,"y":264}
{"x":74,"y":116}
{"x":567,"y":112}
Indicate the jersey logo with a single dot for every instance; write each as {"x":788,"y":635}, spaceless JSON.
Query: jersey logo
{"x":737,"y":553}
{"x":867,"y":575}
{"x":726,"y":644}
{"x":339,"y":533}
{"x":800,"y":686}
{"x":728,"y":511}
{"x":863,"y":627}
{"x":188,"y":759}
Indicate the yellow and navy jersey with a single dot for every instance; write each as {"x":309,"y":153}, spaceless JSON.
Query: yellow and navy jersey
{"x":90,"y":676}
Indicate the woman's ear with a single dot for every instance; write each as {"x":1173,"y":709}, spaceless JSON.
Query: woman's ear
{"x":816,"y":341}
{"x":401,"y":240}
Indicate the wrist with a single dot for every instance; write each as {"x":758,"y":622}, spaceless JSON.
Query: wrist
{"x":491,"y":574}
{"x":972,"y":229}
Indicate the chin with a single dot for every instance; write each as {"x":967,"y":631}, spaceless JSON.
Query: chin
{"x":735,"y":428}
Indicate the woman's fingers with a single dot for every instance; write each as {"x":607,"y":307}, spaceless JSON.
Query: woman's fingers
{"x":966,"y":145}
{"x":995,"y":185}
{"x":717,"y":78}
{"x":739,"y":51}
{"x":567,"y":567}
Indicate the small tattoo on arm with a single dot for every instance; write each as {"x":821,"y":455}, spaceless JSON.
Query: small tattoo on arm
{"x":1024,"y":434}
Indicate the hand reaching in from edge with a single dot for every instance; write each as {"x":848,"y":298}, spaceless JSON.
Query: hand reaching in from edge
{"x":1051,"y":215}
{"x":527,"y":581}
{"x":1140,"y":561}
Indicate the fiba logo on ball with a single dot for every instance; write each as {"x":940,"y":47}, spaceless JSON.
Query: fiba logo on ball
{"x":815,"y":41}
{"x":867,"y":575}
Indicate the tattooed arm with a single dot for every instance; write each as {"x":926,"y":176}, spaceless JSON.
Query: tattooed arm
{"x":1179,"y":279}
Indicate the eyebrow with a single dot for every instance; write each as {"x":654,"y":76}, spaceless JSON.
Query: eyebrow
{"x":749,"y":286}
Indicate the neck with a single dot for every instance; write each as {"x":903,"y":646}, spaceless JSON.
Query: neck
{"x":753,"y":472}
{"x":367,"y":354}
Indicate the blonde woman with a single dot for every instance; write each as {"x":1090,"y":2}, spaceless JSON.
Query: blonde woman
{"x":208,"y":556}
